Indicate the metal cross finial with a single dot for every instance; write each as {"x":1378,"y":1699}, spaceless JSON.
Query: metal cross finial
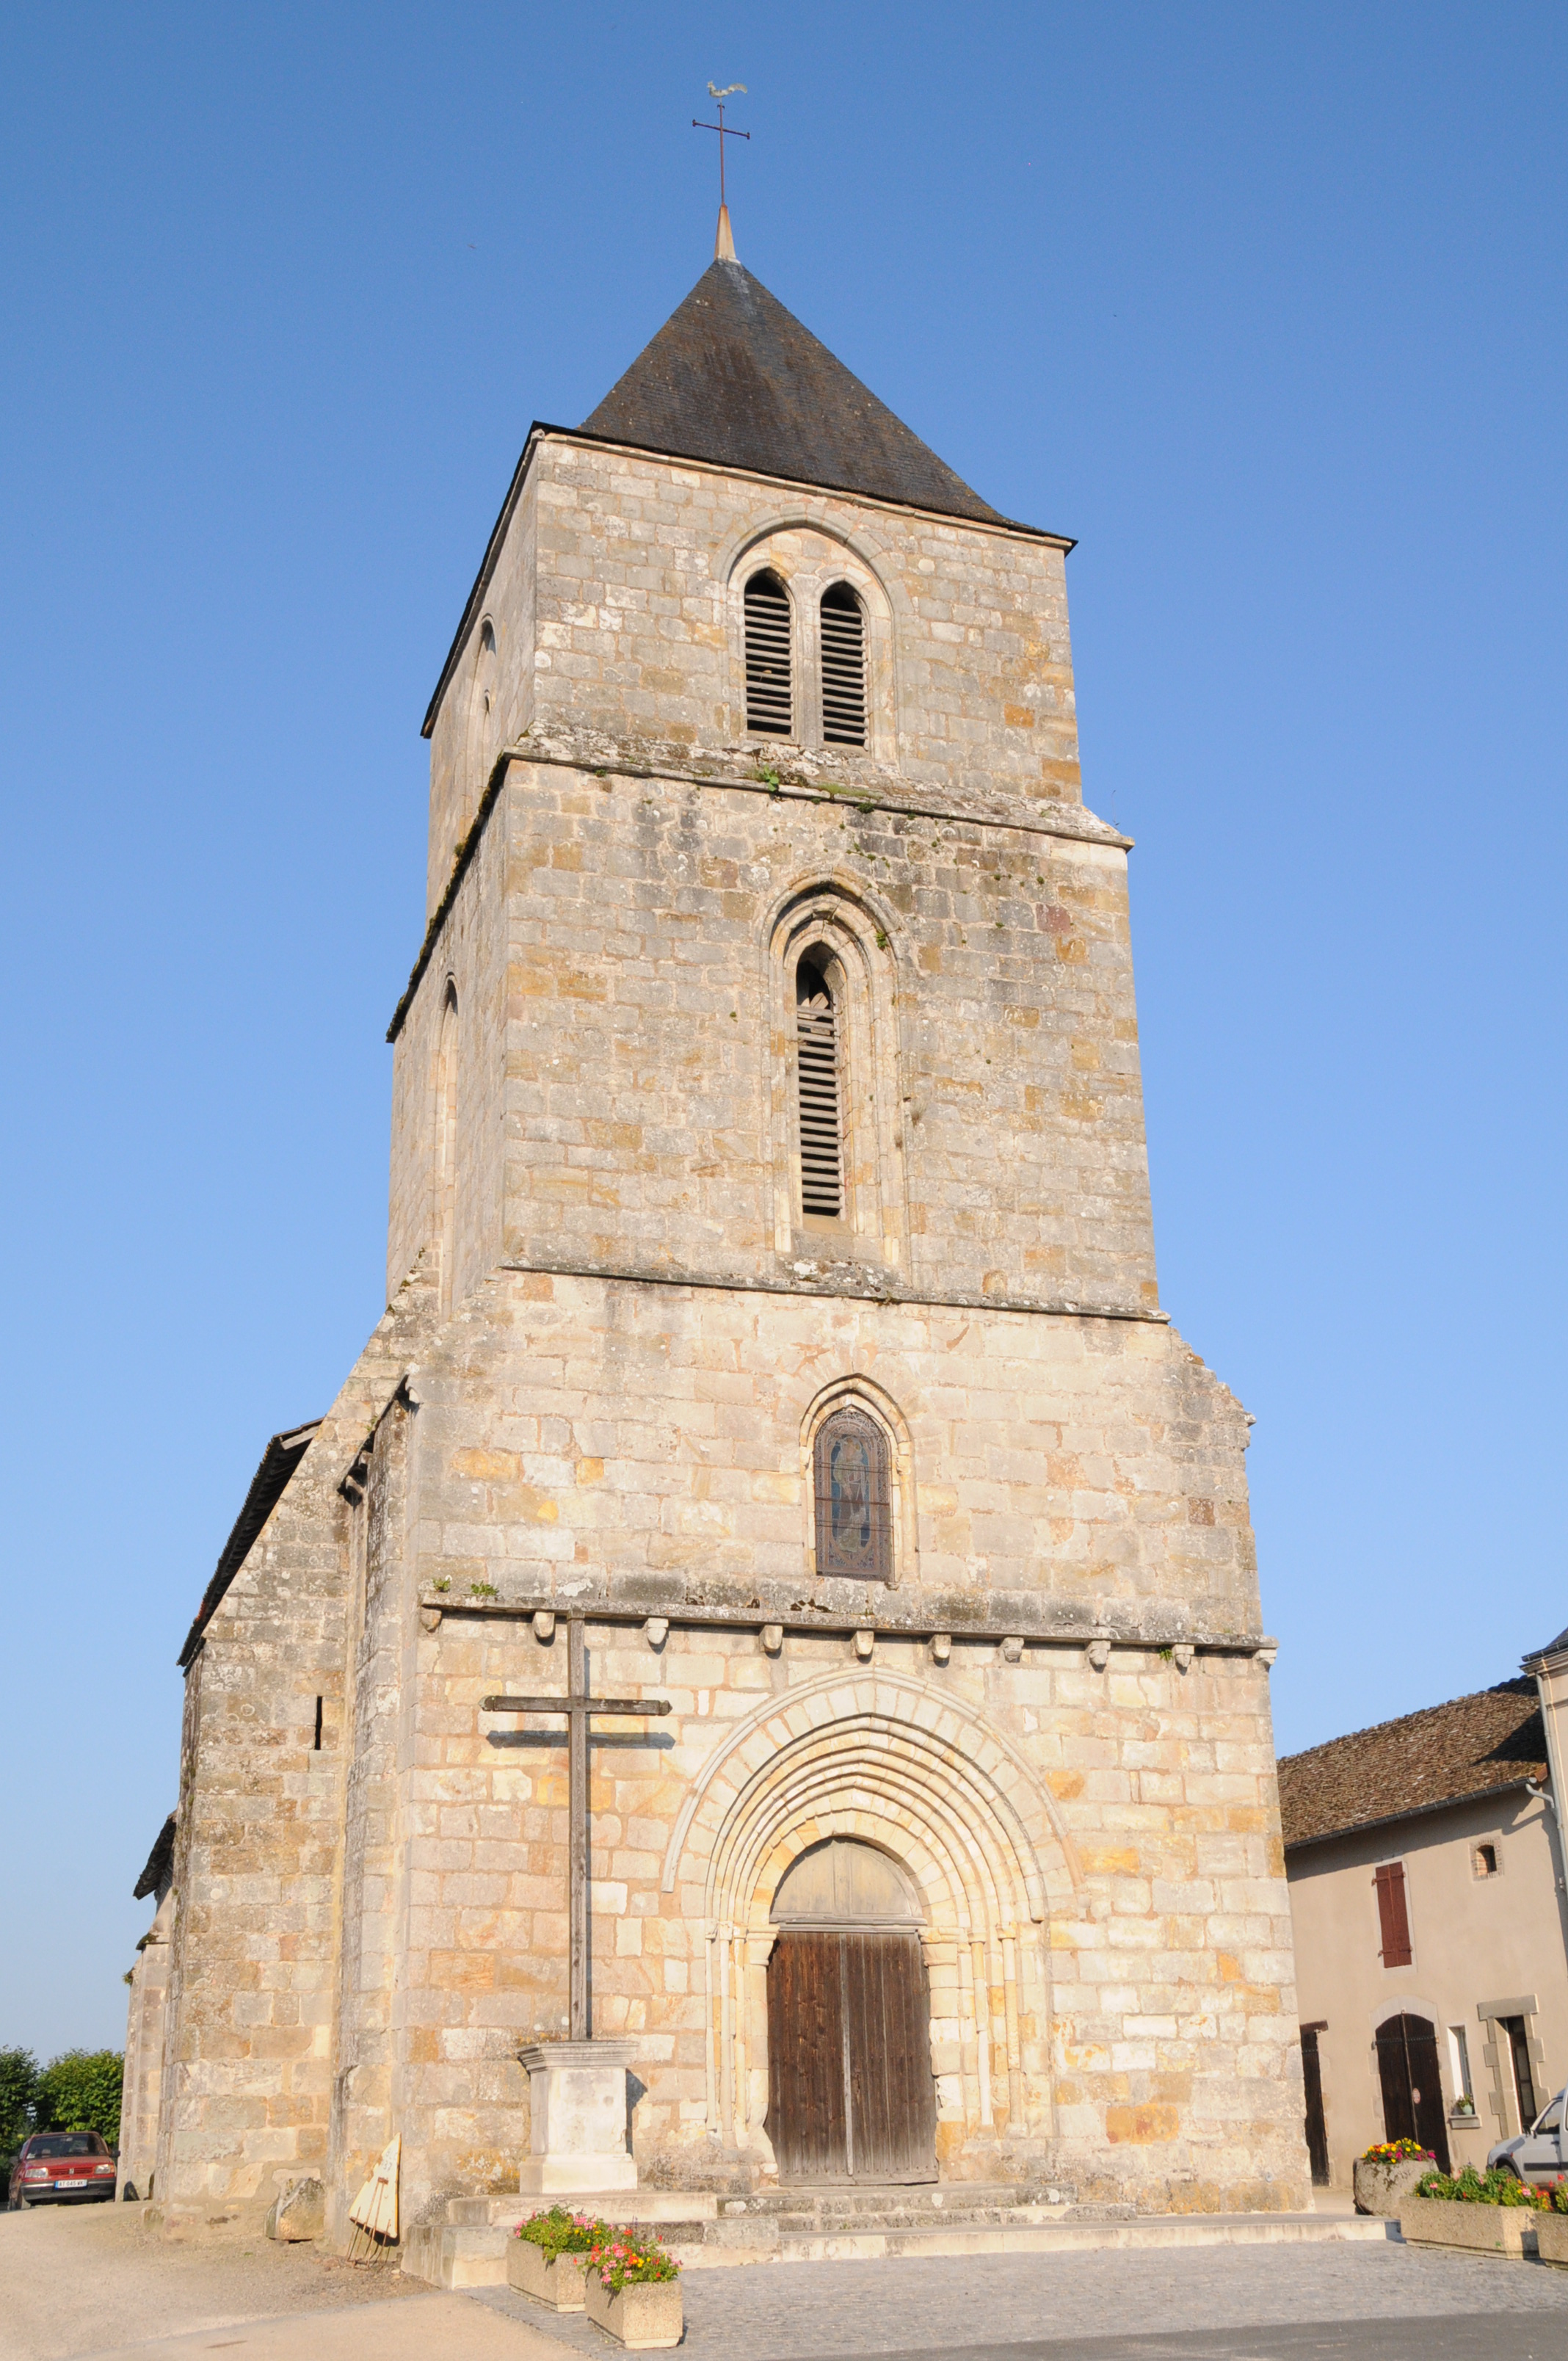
{"x":723,"y":127}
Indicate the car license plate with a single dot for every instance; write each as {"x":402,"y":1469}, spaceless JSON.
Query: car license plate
{"x":75,"y":2180}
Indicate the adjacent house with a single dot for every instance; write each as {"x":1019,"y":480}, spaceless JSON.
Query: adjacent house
{"x":1425,"y":1867}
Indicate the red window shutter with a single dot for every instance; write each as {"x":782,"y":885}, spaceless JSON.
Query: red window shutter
{"x":1393,"y":1918}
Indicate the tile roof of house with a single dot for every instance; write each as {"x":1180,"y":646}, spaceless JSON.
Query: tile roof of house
{"x":279,"y":1461}
{"x":1471,"y":1746}
{"x":734,"y":377}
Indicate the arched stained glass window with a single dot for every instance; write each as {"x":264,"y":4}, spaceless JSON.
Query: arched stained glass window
{"x":854,"y":1520}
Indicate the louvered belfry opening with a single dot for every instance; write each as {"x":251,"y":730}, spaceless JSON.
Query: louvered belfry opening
{"x":770,"y":710}
{"x":821,"y":1122}
{"x":843,"y":666}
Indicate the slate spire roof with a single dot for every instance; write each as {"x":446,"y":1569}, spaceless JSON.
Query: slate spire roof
{"x":732,"y":376}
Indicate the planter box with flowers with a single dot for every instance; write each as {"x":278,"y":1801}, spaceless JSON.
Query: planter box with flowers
{"x":1552,"y":2227}
{"x":1489,"y":2212}
{"x":548,"y":2253}
{"x":1388,"y":2173}
{"x":632,"y":2291}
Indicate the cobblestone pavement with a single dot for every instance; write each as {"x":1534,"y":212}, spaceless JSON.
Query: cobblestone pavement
{"x":1397,"y":2303}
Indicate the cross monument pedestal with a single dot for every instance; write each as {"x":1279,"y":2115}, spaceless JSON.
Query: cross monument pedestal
{"x":578,"y":2088}
{"x":577,"y":2129}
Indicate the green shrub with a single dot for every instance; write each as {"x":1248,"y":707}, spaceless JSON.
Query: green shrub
{"x":1493,"y":2187}
{"x":19,"y":2091}
{"x":80,"y":2091}
{"x":560,"y":2233}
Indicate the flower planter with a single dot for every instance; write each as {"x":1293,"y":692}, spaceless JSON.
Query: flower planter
{"x":1552,"y":2237}
{"x":645,"y":2314}
{"x":558,"y":2283}
{"x":1381,"y":2188}
{"x":1483,"y":2229}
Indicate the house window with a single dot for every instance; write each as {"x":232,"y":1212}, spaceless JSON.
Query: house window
{"x":1393,"y":1918}
{"x":821,"y":1110}
{"x":1512,"y":2029}
{"x":1484,"y":1860}
{"x":850,"y":1480}
{"x":1459,"y":2063}
{"x":770,"y":704}
{"x":843,"y":667}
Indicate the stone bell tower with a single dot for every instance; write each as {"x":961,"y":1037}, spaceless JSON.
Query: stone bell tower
{"x":773,"y":1288}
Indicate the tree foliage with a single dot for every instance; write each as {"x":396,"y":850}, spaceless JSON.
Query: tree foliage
{"x":80,"y":2091}
{"x":18,"y":2090}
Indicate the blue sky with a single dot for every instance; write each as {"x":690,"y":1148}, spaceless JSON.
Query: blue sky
{"x":1265,"y":304}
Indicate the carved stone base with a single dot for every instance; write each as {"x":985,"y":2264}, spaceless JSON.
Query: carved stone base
{"x":578,"y":2108}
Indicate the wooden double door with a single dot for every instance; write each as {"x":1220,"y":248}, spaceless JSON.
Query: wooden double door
{"x":851,"y":2092}
{"x":1412,"y":2086}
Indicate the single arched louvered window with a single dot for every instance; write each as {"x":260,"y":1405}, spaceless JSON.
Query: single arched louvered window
{"x":821,"y":1127}
{"x":843,"y":667}
{"x":769,"y":704}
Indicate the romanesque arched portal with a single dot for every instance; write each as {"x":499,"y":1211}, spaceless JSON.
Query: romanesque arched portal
{"x":921,"y":1776}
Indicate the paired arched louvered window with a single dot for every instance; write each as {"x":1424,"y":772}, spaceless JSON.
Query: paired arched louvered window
{"x":821,"y":1110}
{"x":853,"y":1498}
{"x":770,"y":704}
{"x":843,"y":667}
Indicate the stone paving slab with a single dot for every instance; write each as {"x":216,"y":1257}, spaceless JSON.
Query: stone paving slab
{"x":1452,"y":2336}
{"x":1248,"y":2303}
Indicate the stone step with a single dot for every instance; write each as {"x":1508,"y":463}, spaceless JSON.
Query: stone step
{"x":1079,"y":2235}
{"x":920,"y":2196}
{"x":630,"y":2205}
{"x":454,"y":2254}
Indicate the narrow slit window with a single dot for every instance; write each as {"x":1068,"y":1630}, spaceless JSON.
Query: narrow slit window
{"x":843,"y":667}
{"x":770,"y":711}
{"x":854,"y":1517}
{"x":821,"y":1120}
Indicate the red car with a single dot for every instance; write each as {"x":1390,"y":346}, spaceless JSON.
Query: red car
{"x":56,"y":2167}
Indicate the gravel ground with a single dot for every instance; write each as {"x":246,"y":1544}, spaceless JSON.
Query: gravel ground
{"x":1200,"y":2301}
{"x":81,"y":2282}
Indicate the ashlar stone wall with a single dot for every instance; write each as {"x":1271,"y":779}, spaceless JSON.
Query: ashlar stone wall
{"x":612,"y":1335}
{"x":640,"y":935}
{"x":612,"y":593}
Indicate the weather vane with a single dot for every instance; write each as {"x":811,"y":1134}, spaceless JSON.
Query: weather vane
{"x":723,"y":244}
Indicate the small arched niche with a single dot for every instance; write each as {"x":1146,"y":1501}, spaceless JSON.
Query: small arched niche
{"x":483,"y":720}
{"x":845,"y":1882}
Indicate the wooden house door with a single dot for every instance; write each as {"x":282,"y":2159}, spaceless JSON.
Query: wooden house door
{"x":851,"y":2092}
{"x":1412,"y":2084}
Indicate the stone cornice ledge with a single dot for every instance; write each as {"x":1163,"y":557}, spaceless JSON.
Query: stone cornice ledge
{"x":837,"y":1280}
{"x":835,"y":776}
{"x":806,"y":781}
{"x":1006,"y":1617}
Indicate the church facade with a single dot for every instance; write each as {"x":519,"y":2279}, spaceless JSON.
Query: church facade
{"x":770,"y":1287}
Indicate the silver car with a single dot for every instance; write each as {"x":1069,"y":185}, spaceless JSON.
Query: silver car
{"x":1536,"y":2154}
